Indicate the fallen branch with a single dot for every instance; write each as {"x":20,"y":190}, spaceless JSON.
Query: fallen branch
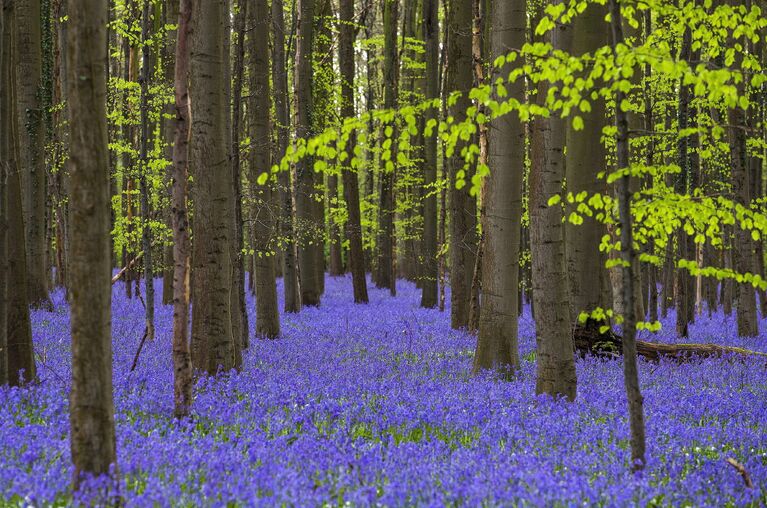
{"x":742,"y":472}
{"x":127,"y":267}
{"x":589,"y":340}
{"x":140,"y":347}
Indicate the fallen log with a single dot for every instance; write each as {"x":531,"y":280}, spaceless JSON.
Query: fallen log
{"x":588,"y":340}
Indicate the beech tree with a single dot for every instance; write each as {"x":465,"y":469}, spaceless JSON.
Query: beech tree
{"x":213,"y":343}
{"x":267,"y":315}
{"x":92,"y":427}
{"x":497,"y":342}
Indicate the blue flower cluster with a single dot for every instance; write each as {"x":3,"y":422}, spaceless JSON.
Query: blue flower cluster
{"x":374,"y":405}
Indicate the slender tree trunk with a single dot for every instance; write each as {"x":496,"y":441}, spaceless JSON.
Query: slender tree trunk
{"x":91,"y":406}
{"x":630,"y":269}
{"x":182,"y":356}
{"x":463,"y":207}
{"x":213,"y":347}
{"x":385,"y":266}
{"x":280,"y":78}
{"x":336,"y":266}
{"x":146,"y":229}
{"x":497,"y":343}
{"x":553,"y":332}
{"x":349,"y":168}
{"x":429,"y":274}
{"x":4,"y":168}
{"x":307,"y":259}
{"x":238,"y":282}
{"x":267,"y":313}
{"x":31,"y":130}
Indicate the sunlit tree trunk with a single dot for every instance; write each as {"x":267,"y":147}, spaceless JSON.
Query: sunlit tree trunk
{"x":91,"y":407}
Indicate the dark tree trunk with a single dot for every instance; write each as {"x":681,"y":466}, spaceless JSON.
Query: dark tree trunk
{"x":91,"y":405}
{"x":630,"y":268}
{"x":20,"y":354}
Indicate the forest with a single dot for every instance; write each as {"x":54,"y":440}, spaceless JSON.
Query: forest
{"x":383,"y":253}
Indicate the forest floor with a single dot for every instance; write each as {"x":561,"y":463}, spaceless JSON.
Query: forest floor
{"x":374,"y":404}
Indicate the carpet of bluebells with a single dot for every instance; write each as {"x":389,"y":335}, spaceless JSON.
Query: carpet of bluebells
{"x":374,"y":405}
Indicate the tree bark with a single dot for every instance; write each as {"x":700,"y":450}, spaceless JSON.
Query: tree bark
{"x":31,"y":128}
{"x":146,"y":228}
{"x":349,"y":168}
{"x":463,"y":207}
{"x":307,"y":230}
{"x":585,"y":157}
{"x":429,"y":270}
{"x":213,"y":346}
{"x":742,"y":249}
{"x":182,"y":356}
{"x":630,"y":268}
{"x":4,"y":50}
{"x":20,"y":354}
{"x":553,"y":332}
{"x":267,"y":313}
{"x":238,"y":275}
{"x":385,"y":266}
{"x":280,"y":77}
{"x":497,"y":343}
{"x":91,"y":405}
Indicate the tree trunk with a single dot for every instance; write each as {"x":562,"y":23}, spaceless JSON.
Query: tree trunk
{"x":28,"y":63}
{"x":349,"y":168}
{"x":20,"y":354}
{"x":4,"y":168}
{"x":385,"y":266}
{"x":429,"y":270}
{"x":742,"y":251}
{"x":553,"y":332}
{"x":146,"y":228}
{"x":212,"y":339}
{"x":91,"y":406}
{"x":463,"y":207}
{"x":182,"y":356}
{"x":280,"y":78}
{"x":238,"y":283}
{"x":497,"y":343}
{"x":585,"y":158}
{"x":630,"y":268}
{"x":267,"y":313}
{"x":307,"y":230}
{"x":336,"y":266}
